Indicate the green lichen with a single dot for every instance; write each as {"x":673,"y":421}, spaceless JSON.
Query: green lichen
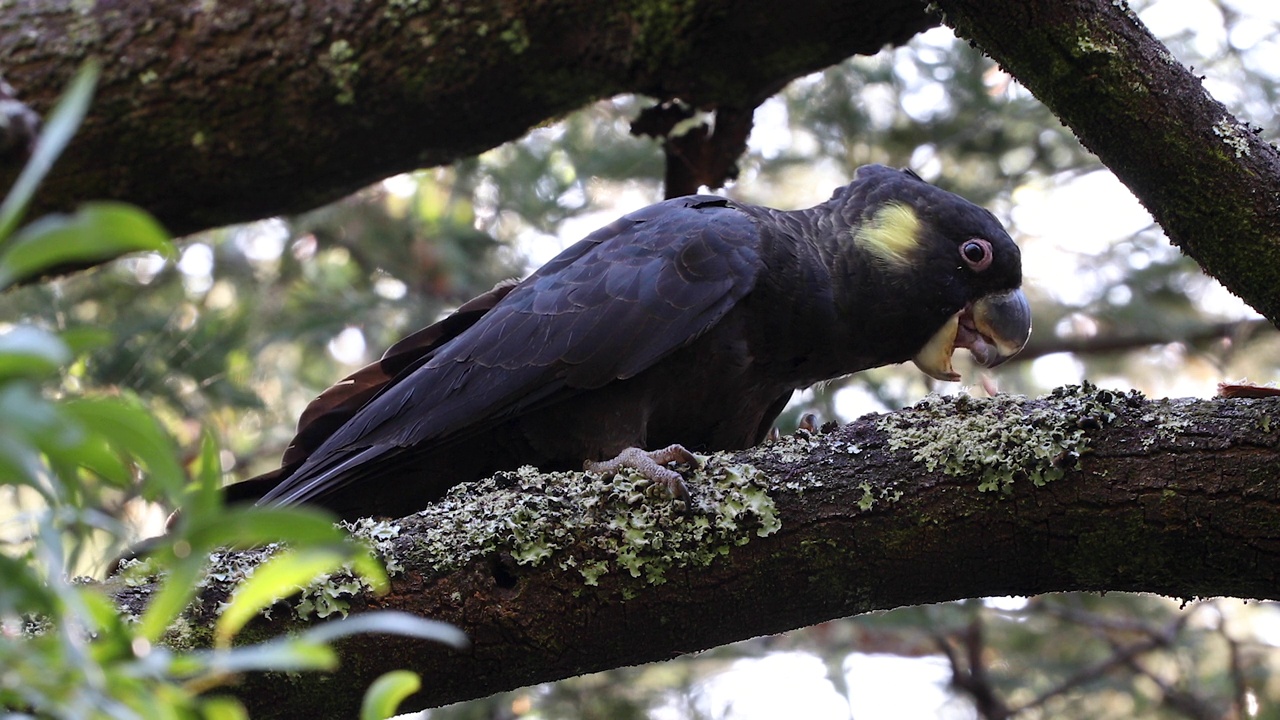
{"x":326,"y":595}
{"x":329,"y":595}
{"x":380,"y":536}
{"x":868,"y":499}
{"x":342,"y":69}
{"x":1233,"y":136}
{"x":661,"y":25}
{"x":623,"y":525}
{"x":1089,"y":46}
{"x":798,"y":446}
{"x":398,"y":11}
{"x":1002,"y":439}
{"x":596,"y":526}
{"x":183,"y":635}
{"x":516,"y":37}
{"x":408,"y":5}
{"x":872,"y":495}
{"x":1165,"y":423}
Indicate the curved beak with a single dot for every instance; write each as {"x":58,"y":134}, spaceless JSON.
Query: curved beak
{"x":993,"y":328}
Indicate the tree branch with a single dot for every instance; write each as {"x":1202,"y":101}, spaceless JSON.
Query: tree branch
{"x":559,"y":575}
{"x":1205,"y":176}
{"x":1237,"y":331}
{"x":1121,"y":654}
{"x":214,"y":113}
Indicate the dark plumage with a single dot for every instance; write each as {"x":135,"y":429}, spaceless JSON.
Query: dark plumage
{"x":691,"y":321}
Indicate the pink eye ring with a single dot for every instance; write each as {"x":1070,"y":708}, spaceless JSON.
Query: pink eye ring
{"x":976,"y":254}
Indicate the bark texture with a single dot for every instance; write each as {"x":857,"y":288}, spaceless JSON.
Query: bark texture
{"x":955,"y":498}
{"x":1205,"y":175}
{"x":219,"y":112}
{"x":212,"y":113}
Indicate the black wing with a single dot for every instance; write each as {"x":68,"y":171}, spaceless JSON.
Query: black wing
{"x":334,"y":407}
{"x":339,"y":403}
{"x":606,"y":308}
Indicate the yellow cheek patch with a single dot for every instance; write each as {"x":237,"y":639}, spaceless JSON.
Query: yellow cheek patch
{"x":892,"y":234}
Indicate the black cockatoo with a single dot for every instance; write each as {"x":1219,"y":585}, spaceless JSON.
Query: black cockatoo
{"x":691,"y":321}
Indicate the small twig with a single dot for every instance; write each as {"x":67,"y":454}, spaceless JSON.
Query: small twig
{"x":1235,"y":669}
{"x":1180,"y":701}
{"x":1121,"y":655}
{"x":973,"y":680}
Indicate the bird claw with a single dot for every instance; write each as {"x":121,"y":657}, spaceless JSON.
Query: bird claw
{"x":652,"y":465}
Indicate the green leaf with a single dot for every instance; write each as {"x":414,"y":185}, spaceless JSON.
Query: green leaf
{"x":245,"y":527}
{"x":21,"y":590}
{"x":84,"y":338}
{"x":97,"y":232}
{"x":102,"y":612}
{"x":132,"y":432}
{"x":30,"y":424}
{"x":96,"y":455}
{"x":387,"y":692}
{"x":371,"y":570}
{"x":278,"y":577}
{"x":389,"y":622}
{"x":178,"y":589}
{"x":222,"y":708}
{"x":206,"y":499}
{"x":27,"y":351}
{"x":58,"y":130}
{"x":280,"y":655}
{"x":20,"y":464}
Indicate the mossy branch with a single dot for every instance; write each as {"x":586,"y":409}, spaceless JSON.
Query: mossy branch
{"x":1206,"y":176}
{"x":216,"y":113}
{"x":562,"y":574}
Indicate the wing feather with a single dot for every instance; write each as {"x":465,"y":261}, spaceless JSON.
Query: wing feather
{"x":607,"y":308}
{"x":336,"y":405}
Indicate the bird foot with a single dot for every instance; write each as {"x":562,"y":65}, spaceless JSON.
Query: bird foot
{"x":652,"y":465}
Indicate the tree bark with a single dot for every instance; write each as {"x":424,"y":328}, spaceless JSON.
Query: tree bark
{"x":1084,"y":489}
{"x":214,"y":113}
{"x":1207,"y":177}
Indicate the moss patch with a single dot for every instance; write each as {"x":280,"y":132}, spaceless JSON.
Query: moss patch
{"x":1235,"y":137}
{"x":342,"y":67}
{"x":1001,"y":439}
{"x":623,"y":524}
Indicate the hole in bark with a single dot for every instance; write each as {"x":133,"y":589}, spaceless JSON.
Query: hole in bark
{"x":504,"y":572}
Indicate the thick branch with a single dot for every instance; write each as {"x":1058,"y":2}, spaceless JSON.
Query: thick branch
{"x":1172,"y":497}
{"x":1206,"y":177}
{"x":212,"y":113}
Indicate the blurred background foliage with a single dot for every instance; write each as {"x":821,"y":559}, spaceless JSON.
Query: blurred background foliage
{"x":248,"y":323}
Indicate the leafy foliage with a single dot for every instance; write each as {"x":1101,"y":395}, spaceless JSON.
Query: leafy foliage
{"x":65,"y":459}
